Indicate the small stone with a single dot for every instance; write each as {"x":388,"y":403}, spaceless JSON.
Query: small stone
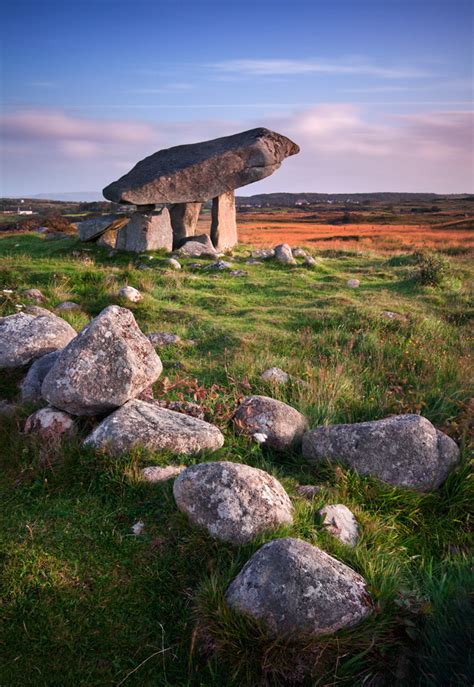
{"x":283,"y":425}
{"x":68,"y":306}
{"x":234,"y":502}
{"x":156,"y":473}
{"x":340,"y":522}
{"x":49,"y":423}
{"x":163,"y":339}
{"x":237,"y":273}
{"x":263,"y":253}
{"x":284,"y":255}
{"x":197,"y":246}
{"x":141,"y":424}
{"x":172,"y":262}
{"x":219,"y":265}
{"x":353,"y":283}
{"x":253,"y":261}
{"x":275,"y":375}
{"x":138,"y":528}
{"x":389,"y":315}
{"x":309,"y":261}
{"x":295,"y":588}
{"x":298,"y":252}
{"x":259,"y":437}
{"x":34,"y":294}
{"x":130,"y":294}
{"x":308,"y":491}
{"x":403,"y":450}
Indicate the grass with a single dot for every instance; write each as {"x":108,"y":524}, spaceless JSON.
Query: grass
{"x":84,"y":602}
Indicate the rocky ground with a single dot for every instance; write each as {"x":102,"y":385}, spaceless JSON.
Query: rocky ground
{"x":199,"y":484}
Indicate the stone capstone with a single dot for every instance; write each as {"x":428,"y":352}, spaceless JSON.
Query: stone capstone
{"x":108,"y":363}
{"x":295,"y":588}
{"x":144,"y":424}
{"x":200,"y":171}
{"x":234,"y":502}
{"x":283,"y":425}
{"x":403,"y":450}
{"x":25,"y":337}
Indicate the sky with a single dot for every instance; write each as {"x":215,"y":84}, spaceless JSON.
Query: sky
{"x":377,"y":93}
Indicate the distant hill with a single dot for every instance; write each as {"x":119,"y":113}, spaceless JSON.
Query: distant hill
{"x":297,"y":199}
{"x":78,"y":196}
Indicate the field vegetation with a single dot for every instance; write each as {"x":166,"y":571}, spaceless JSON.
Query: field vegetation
{"x":85,"y":602}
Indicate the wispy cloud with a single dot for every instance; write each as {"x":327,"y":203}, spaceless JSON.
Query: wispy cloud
{"x":168,"y":88}
{"x":285,"y":67}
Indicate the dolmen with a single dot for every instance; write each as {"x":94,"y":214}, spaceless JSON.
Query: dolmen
{"x":180,"y":180}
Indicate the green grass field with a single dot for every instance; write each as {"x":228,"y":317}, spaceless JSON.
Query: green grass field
{"x":84,"y":602}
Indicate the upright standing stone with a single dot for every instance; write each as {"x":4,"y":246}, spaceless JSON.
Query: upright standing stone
{"x":223,"y":226}
{"x":184,"y":217}
{"x":146,"y":232}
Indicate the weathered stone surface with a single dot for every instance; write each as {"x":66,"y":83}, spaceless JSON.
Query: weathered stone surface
{"x":340,"y":522}
{"x":91,"y":229}
{"x":138,"y":423}
{"x":184,"y":218}
{"x":146,"y":232}
{"x":198,"y":246}
{"x":353,"y":283}
{"x":68,"y":306}
{"x":49,"y":423}
{"x":219,"y":265}
{"x":234,"y":502}
{"x":173,"y":263}
{"x":108,"y":363}
{"x":263,"y":253}
{"x":223,"y":223}
{"x":308,"y":491}
{"x":298,"y":252}
{"x":30,"y":389}
{"x":283,"y":425}
{"x":275,"y":375}
{"x":404,"y":450}
{"x":156,"y":473}
{"x":294,"y":587}
{"x":163,"y":338}
{"x":25,"y":337}
{"x":34,"y":294}
{"x":199,"y":171}
{"x":131,"y":294}
{"x":284,"y":255}
{"x":309,"y":261}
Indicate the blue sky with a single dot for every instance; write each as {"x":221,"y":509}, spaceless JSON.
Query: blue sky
{"x":378,"y":93}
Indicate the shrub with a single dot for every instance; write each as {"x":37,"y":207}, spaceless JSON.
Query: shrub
{"x":431,"y":269}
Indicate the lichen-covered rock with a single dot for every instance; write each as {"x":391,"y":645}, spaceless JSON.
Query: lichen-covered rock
{"x":234,"y":502}
{"x":275,"y":375}
{"x":30,"y":388}
{"x":108,"y":363}
{"x":130,"y":293}
{"x":298,"y":252}
{"x":156,"y":474}
{"x":34,"y":295}
{"x":146,"y":231}
{"x":139,"y":423}
{"x":404,"y":450}
{"x":353,"y":283}
{"x":91,"y":229}
{"x":68,"y":306}
{"x":173,"y":263}
{"x":25,"y":337}
{"x":283,"y":425}
{"x":309,"y":261}
{"x":163,"y":338}
{"x":295,"y":588}
{"x":49,"y":423}
{"x":284,"y":254}
{"x":197,"y":246}
{"x":340,"y":522}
